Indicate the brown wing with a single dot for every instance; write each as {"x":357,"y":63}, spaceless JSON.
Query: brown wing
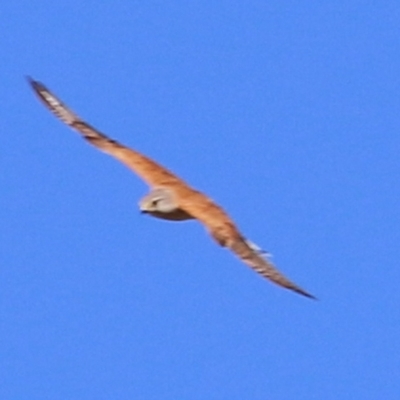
{"x":263,"y":266}
{"x":153,"y":173}
{"x":224,"y":231}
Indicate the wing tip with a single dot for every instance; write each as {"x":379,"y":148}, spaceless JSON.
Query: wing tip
{"x":36,"y":85}
{"x":304,"y":293}
{"x":295,"y":288}
{"x":31,"y":81}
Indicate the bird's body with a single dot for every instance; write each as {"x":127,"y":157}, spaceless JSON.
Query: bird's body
{"x":171,"y":198}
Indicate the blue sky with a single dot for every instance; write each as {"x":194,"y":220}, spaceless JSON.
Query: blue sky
{"x":287,"y":114}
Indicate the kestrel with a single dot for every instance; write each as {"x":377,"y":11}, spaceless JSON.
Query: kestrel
{"x":170,"y":197}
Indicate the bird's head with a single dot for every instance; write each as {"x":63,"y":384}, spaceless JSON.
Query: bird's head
{"x":160,"y":203}
{"x":157,"y":201}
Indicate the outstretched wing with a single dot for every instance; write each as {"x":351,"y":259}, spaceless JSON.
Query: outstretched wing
{"x":151,"y":172}
{"x":255,"y":259}
{"x":195,"y":203}
{"x":224,"y":231}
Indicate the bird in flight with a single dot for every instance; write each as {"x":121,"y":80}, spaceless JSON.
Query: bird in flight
{"x":170,"y":197}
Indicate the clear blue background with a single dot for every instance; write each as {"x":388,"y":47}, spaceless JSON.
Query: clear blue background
{"x":288,"y":114}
